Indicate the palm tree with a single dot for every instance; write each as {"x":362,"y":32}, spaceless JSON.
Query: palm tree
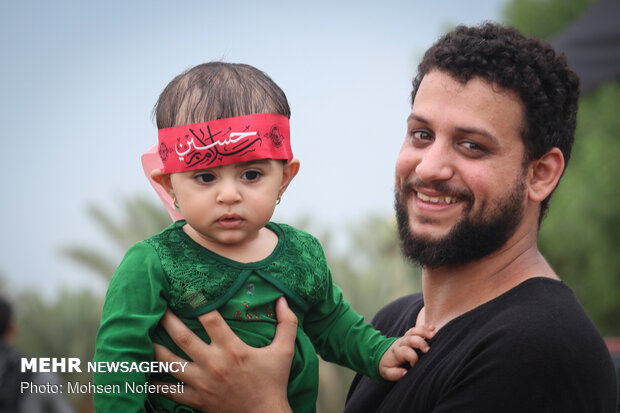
{"x":142,"y":218}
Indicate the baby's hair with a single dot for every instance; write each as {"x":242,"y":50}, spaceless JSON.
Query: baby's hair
{"x":218,"y":90}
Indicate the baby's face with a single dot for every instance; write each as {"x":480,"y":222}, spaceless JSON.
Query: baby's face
{"x":229,"y":204}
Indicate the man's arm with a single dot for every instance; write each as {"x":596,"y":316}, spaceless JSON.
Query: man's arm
{"x":222,"y":372}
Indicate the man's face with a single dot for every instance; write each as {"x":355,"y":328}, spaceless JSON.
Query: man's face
{"x":460,"y":177}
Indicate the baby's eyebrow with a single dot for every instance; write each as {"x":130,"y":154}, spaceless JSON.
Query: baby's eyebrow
{"x":254,"y":162}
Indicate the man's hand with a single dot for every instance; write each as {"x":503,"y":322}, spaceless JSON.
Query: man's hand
{"x":228,"y":375}
{"x":402,"y":351}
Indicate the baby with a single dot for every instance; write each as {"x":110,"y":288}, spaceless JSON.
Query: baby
{"x":226,"y":161}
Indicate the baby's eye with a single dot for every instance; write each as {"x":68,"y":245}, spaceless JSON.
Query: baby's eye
{"x":251,"y":175}
{"x":205,"y":177}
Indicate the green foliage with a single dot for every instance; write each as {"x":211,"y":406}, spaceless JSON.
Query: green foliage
{"x":543,"y":18}
{"x":581,"y":234}
{"x":580,"y":237}
{"x":65,"y":327}
{"x":142,"y":218}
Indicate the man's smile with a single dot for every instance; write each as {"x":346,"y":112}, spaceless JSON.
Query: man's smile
{"x":437,"y":199}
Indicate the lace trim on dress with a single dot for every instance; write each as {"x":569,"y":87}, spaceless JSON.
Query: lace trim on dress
{"x":197,"y":276}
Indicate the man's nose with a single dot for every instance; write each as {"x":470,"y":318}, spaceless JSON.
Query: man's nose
{"x":435,"y":163}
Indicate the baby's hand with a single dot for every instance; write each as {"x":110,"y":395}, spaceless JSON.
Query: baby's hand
{"x":402,"y":350}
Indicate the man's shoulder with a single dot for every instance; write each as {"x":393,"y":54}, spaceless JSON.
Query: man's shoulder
{"x":541,"y":322}
{"x":538,"y":307}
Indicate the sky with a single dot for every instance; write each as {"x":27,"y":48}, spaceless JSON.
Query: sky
{"x":78,"y":82}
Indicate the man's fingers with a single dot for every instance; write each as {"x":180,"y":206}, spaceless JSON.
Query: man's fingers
{"x":185,"y":338}
{"x":188,"y":396}
{"x":286,"y":330}
{"x":218,"y":330}
{"x":218,"y":378}
{"x":165,"y":355}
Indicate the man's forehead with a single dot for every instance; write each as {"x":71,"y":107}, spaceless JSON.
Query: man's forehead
{"x":475,"y":104}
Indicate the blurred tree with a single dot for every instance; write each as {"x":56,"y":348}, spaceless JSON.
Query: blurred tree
{"x":580,"y":237}
{"x":142,"y":218}
{"x":543,"y":18}
{"x":70,"y":322}
{"x":581,"y":234}
{"x":64,"y":327}
{"x":371,"y":272}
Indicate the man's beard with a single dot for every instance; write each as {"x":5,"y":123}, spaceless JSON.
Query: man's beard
{"x":471,"y":238}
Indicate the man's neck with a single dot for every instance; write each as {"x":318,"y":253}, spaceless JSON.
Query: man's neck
{"x":454,"y":290}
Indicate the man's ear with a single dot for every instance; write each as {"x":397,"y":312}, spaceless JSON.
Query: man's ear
{"x":545,"y":174}
{"x":288,"y":173}
{"x":163,"y":180}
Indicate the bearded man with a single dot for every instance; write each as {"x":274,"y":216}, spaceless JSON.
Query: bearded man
{"x":488,"y":138}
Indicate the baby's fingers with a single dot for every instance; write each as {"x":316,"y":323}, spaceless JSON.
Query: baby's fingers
{"x":406,"y":353}
{"x":422,"y":331}
{"x":394,"y":373}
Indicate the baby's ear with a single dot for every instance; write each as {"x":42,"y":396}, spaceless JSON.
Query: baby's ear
{"x":288,"y":173}
{"x":162,"y":179}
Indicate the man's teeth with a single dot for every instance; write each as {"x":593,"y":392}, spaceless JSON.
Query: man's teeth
{"x":437,"y":199}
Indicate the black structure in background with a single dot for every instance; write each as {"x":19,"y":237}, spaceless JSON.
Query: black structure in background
{"x":592,"y":44}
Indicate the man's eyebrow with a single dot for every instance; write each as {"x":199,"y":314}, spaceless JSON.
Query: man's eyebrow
{"x":478,"y":131}
{"x":464,"y":129}
{"x":416,"y":117}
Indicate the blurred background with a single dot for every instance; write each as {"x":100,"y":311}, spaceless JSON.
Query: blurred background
{"x":78,"y":82}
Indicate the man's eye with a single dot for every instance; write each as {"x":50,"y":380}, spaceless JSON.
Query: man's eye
{"x":251,"y":175}
{"x":420,"y":135}
{"x":205,"y":178}
{"x":472,"y":146}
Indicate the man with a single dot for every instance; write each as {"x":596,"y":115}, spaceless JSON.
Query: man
{"x":490,"y":132}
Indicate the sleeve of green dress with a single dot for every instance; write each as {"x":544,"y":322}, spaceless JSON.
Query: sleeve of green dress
{"x":340,"y":335}
{"x":135,"y":301}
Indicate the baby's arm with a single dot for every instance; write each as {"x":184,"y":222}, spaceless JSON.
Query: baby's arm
{"x":402,"y":351}
{"x":133,"y":306}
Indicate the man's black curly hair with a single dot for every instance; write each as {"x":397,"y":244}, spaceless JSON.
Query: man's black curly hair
{"x":548,"y":88}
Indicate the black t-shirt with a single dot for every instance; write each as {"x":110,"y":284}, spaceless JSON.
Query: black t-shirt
{"x":532,"y":349}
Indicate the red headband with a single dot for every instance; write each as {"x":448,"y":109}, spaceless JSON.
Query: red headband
{"x":225,"y":141}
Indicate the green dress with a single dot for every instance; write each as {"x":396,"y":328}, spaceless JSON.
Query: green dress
{"x":171,"y":270}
